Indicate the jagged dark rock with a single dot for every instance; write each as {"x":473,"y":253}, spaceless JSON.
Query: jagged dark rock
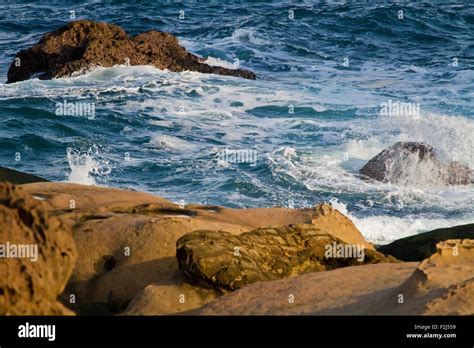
{"x":228,"y":262}
{"x":406,"y":162}
{"x":84,"y":44}
{"x":18,"y":178}
{"x":423,"y":245}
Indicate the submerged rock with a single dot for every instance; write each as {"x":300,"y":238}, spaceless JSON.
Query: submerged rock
{"x":37,"y":256}
{"x":228,"y":262}
{"x":84,"y":44}
{"x":414,"y":162}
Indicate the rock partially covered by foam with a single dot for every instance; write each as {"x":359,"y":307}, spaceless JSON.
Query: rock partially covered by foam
{"x":81,"y":45}
{"x":406,"y":162}
{"x":228,"y":262}
{"x":37,"y":256}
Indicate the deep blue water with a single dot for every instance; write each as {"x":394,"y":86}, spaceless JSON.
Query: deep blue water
{"x":313,"y":116}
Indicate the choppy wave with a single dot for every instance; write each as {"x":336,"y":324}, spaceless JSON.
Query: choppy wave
{"x":384,"y":229}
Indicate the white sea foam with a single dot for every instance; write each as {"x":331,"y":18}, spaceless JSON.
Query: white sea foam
{"x":219,"y":62}
{"x":385,"y":229}
{"x":219,"y":111}
{"x":171,"y":143}
{"x":87,"y":167}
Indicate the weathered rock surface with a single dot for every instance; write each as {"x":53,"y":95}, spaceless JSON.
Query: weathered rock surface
{"x":18,"y":178}
{"x":177,"y":295}
{"x":127,"y":240}
{"x":423,"y":245}
{"x":412,"y":162}
{"x":228,"y":262}
{"x":169,"y":296}
{"x":443,"y":284}
{"x":83,"y":44}
{"x":331,"y":221}
{"x":30,"y":285}
{"x":316,"y":293}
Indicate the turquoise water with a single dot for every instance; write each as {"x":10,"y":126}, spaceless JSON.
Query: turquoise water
{"x":312,"y":118}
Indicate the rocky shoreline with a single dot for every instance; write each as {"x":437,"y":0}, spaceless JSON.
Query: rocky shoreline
{"x":107,"y":251}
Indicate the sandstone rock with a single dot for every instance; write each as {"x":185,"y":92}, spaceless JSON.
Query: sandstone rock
{"x":227,"y":262}
{"x":126,"y":243}
{"x":458,"y":300}
{"x":18,"y":178}
{"x":83,"y":44}
{"x":442,"y":284}
{"x":106,"y":221}
{"x":316,"y":293}
{"x":331,"y":221}
{"x":412,"y":162}
{"x":163,"y":296}
{"x":379,"y":167}
{"x":29,"y":285}
{"x":423,"y":245}
{"x":169,"y":296}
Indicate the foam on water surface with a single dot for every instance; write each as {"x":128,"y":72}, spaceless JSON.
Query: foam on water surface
{"x":312,"y":121}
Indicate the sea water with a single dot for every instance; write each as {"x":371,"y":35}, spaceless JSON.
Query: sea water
{"x":316,"y":113}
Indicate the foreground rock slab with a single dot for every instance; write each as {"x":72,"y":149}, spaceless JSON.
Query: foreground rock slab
{"x":227,"y":262}
{"x":170,"y":296}
{"x":37,"y":256}
{"x":443,"y":284}
{"x":82,"y":45}
{"x":127,"y":240}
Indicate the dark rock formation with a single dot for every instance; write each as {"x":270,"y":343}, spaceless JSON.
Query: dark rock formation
{"x":409,"y":162}
{"x":227,"y":262}
{"x":37,"y":256}
{"x":423,"y":245}
{"x":84,"y":44}
{"x":377,"y":167}
{"x":18,"y":178}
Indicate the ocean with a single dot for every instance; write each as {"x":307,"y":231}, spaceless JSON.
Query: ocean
{"x":295,"y":137}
